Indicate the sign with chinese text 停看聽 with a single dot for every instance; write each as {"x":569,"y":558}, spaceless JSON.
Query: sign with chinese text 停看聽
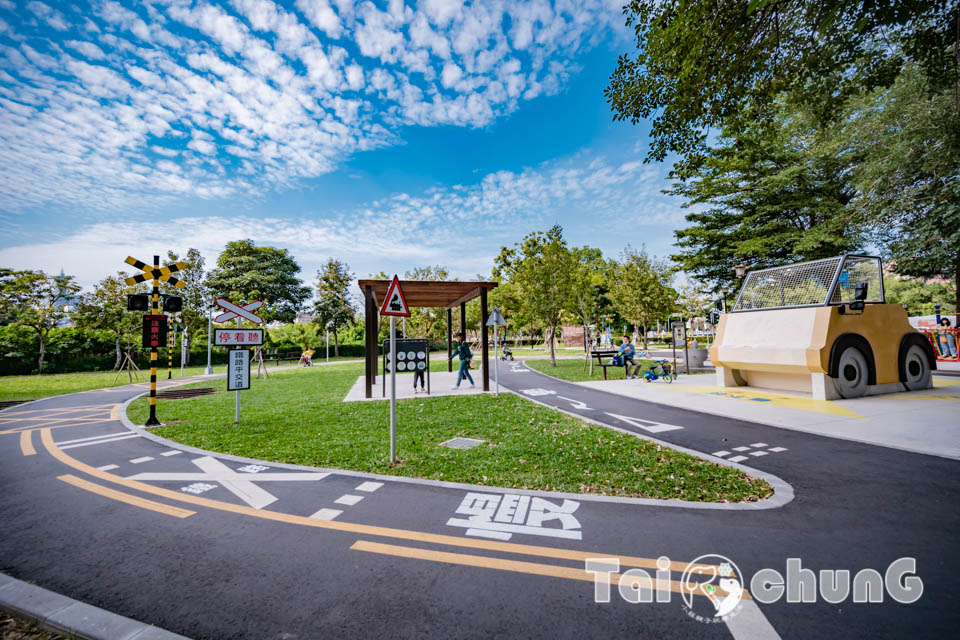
{"x":237,"y":337}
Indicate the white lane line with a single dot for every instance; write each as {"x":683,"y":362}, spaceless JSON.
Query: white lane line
{"x":240,"y":484}
{"x":348,"y":500}
{"x":758,"y":453}
{"x":720,"y":454}
{"x":778,"y":449}
{"x":757,"y":445}
{"x":749,"y":623}
{"x":108,"y":467}
{"x":741,"y":448}
{"x":106,"y":435}
{"x":171,"y":453}
{"x":87,"y":444}
{"x":737,"y":458}
{"x":326,"y":514}
{"x":646,"y":425}
{"x":143,"y":459}
{"x":369,"y":486}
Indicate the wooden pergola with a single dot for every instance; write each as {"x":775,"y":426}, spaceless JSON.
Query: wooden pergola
{"x":426,"y":293}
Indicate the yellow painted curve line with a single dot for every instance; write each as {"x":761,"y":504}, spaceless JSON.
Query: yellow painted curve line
{"x":774,"y":399}
{"x":120,"y":496}
{"x":26,"y":443}
{"x":348,"y":527}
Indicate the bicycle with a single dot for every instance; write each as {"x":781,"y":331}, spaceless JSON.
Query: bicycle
{"x":660,"y":369}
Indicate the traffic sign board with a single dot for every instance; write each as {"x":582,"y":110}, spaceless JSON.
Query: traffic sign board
{"x":154,"y":331}
{"x":237,"y":337}
{"x":236,"y":310}
{"x":496,"y":319}
{"x":155,"y":273}
{"x":238,"y":371}
{"x":394,"y":304}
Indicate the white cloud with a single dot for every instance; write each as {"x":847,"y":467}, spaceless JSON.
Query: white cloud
{"x":286,"y":92}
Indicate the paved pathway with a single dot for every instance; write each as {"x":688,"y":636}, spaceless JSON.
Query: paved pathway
{"x":213,"y":547}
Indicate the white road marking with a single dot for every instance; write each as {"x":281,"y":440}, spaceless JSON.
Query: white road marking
{"x":646,"y":425}
{"x":326,"y":514}
{"x":737,"y":458}
{"x":108,"y":467}
{"x":143,"y":459}
{"x":576,"y":403}
{"x":348,"y":499}
{"x":538,"y":392}
{"x":106,"y":435}
{"x":253,"y":468}
{"x":741,"y":448}
{"x":496,"y":535}
{"x":240,"y":484}
{"x":369,"y":486}
{"x":721,"y":453}
{"x":757,"y":445}
{"x":749,"y":623}
{"x":778,"y":449}
{"x":175,"y":452}
{"x":758,"y":453}
{"x":499,"y":516}
{"x":198,"y":487}
{"x":87,"y":444}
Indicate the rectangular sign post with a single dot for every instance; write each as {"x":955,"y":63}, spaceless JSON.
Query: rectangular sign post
{"x":238,"y":372}
{"x":394,"y":304}
{"x":238,"y":338}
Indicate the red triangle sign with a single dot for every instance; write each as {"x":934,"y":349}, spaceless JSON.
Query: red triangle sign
{"x":394,"y":304}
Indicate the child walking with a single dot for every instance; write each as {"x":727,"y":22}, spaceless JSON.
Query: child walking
{"x":463,"y":350}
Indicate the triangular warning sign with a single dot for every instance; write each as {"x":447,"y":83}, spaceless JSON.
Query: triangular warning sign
{"x":394,"y":304}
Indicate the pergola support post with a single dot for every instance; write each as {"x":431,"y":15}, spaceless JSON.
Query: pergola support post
{"x":370,"y":352}
{"x":449,"y":340}
{"x":485,"y":335}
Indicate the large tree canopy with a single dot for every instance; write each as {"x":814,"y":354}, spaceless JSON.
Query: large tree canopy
{"x":700,"y":65}
{"x":246,"y":272}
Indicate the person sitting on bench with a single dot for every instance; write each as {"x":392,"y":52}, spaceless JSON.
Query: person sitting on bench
{"x":626,"y":353}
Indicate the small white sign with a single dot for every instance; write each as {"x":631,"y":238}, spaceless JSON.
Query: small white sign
{"x":499,"y":516}
{"x":238,"y":372}
{"x":496,"y":319}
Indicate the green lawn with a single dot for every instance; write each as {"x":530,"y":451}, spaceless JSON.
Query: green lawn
{"x":298,"y":416}
{"x":573,"y":370}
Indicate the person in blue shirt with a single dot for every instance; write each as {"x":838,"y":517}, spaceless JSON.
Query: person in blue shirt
{"x":463,"y":350}
{"x":627,"y":352}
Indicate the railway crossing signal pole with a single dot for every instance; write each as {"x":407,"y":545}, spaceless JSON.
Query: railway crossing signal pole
{"x":154,"y":340}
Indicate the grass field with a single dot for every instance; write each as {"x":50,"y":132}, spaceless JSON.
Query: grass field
{"x":42,"y":386}
{"x":297,"y":416}
{"x":574,"y":371}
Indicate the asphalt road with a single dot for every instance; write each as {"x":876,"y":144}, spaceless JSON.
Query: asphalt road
{"x":217,"y":548}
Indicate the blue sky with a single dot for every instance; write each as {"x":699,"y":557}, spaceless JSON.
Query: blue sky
{"x":386,"y":134}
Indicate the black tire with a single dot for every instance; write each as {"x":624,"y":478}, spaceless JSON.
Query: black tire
{"x":853,"y":373}
{"x":916,"y":362}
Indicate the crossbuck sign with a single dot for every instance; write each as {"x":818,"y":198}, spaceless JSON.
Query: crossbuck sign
{"x":239,"y":311}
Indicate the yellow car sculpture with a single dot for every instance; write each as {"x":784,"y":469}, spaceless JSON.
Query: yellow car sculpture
{"x":821,"y":327}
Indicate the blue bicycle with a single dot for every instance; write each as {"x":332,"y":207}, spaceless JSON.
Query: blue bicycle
{"x":660,"y":369}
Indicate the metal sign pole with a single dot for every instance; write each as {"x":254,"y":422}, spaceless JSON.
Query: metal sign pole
{"x":184,"y":347}
{"x":155,"y":309}
{"x":236,"y":418}
{"x":327,"y":341}
{"x":496,"y":361}
{"x":393,"y":389}
{"x":209,"y":369}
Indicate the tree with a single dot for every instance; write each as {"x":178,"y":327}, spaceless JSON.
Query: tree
{"x":246,"y":272}
{"x":540,"y":266}
{"x":196,"y":296}
{"x":34,"y":299}
{"x":106,"y":308}
{"x":775,"y":193}
{"x":920,"y":296}
{"x":332,"y":307}
{"x":640,"y":289}
{"x":908,"y":180}
{"x":701,"y":65}
{"x":586,"y":283}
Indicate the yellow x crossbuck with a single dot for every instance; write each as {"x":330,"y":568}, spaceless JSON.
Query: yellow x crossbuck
{"x":149,"y":273}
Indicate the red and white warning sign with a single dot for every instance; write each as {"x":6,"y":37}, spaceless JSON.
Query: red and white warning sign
{"x":394,"y":304}
{"x":235,"y":310}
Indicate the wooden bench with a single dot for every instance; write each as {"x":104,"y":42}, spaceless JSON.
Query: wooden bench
{"x":277,"y":357}
{"x":607,"y":354}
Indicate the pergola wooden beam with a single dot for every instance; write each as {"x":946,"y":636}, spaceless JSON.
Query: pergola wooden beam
{"x":470,"y":295}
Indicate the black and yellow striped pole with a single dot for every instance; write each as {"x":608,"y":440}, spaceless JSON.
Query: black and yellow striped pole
{"x":156,"y":274}
{"x":155,"y":310}
{"x":172,"y":333}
